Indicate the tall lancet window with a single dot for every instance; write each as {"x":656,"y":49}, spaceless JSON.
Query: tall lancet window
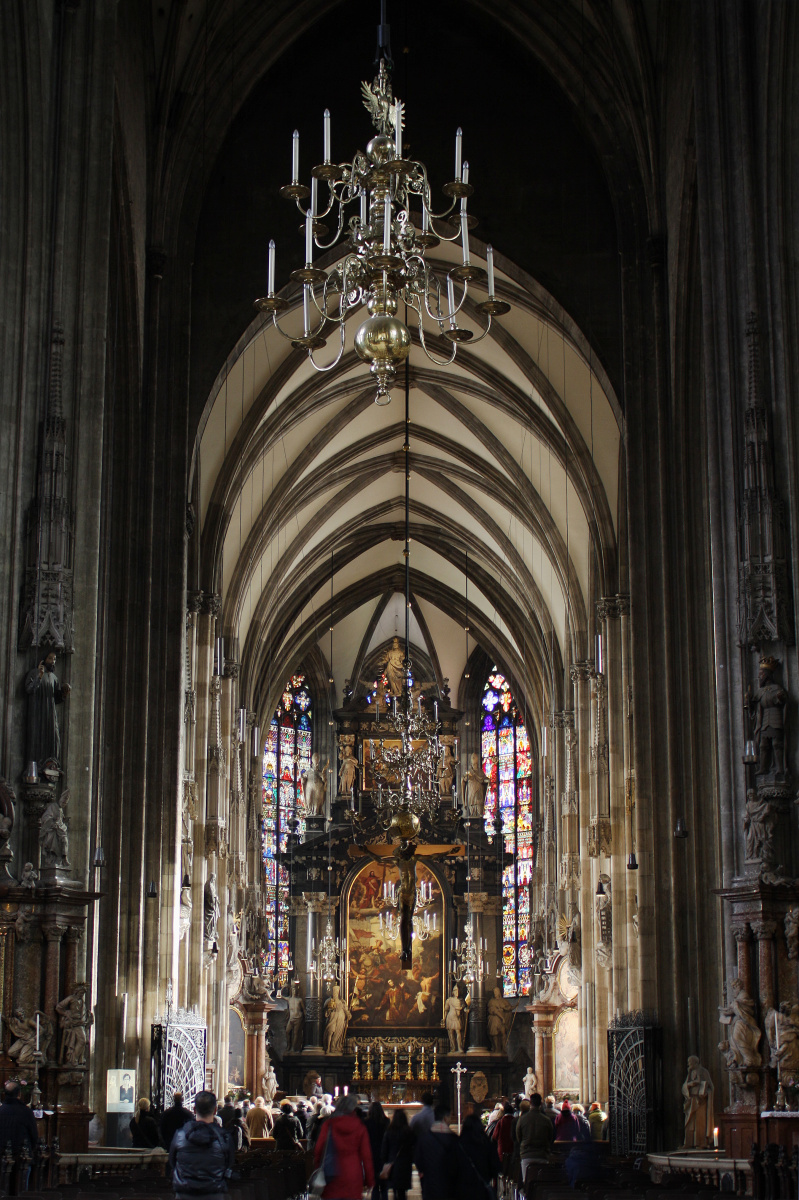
{"x":287,"y":753}
{"x":505,"y":746}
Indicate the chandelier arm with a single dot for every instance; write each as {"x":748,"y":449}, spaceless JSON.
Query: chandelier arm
{"x":339,"y":231}
{"x":337,"y":359}
{"x":474,"y":341}
{"x":444,"y":362}
{"x":290,"y":337}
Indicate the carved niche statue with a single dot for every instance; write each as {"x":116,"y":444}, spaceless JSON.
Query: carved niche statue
{"x":44,"y":693}
{"x":445,"y":772}
{"x":767,"y":706}
{"x":760,"y":824}
{"x":337,"y":1017}
{"x":184,"y":917}
{"x":474,"y":787}
{"x":740,"y":1048}
{"x":295,"y":1026}
{"x":269,"y":1085}
{"x":604,"y":917}
{"x":785,"y":1048}
{"x":456,"y":1014}
{"x":74,"y":1023}
{"x":232,"y":949}
{"x":530,"y":1082}
{"x":314,"y":787}
{"x":500,"y":1016}
{"x":697,"y":1106}
{"x":54,"y":834}
{"x":348,"y":771}
{"x":792,"y":933}
{"x":23,"y":1048}
{"x":210,"y":908}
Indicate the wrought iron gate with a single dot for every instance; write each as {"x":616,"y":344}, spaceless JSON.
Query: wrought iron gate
{"x":177,"y":1055}
{"x":634,"y":1083}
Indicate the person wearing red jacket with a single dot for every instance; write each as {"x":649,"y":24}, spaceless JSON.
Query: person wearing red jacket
{"x":502,"y":1133}
{"x":353,"y":1154}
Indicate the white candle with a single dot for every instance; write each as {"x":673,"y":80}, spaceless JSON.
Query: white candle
{"x":451,"y":303}
{"x":37,"y":1033}
{"x":270,"y":286}
{"x":435,"y":709}
{"x":716,"y":1138}
{"x":465,"y":177}
{"x":464,"y":234}
{"x":387,"y":226}
{"x":398,"y":131}
{"x":346,"y":1090}
{"x":425,"y":218}
{"x":490,"y":260}
{"x":364,"y":199}
{"x":295,"y":156}
{"x":327,"y":134}
{"x":458,"y":151}
{"x":777,"y":1029}
{"x":306,"y":312}
{"x":336,"y":1093}
{"x":314,"y":196}
{"x":308,"y":239}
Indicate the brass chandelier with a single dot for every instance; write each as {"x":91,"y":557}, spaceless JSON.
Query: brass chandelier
{"x":384,"y":264}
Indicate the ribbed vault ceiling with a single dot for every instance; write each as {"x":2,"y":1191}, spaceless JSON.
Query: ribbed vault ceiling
{"x":514,"y":456}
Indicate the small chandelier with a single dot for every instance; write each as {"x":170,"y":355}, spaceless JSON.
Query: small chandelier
{"x":326,"y":965}
{"x":469,"y":960}
{"x":423,"y":923}
{"x":384,"y":264}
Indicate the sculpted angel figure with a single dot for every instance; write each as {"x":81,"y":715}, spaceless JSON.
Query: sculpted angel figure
{"x":743,"y":1039}
{"x":23,"y":1048}
{"x":392,"y":664}
{"x":474,"y":787}
{"x":314,"y":786}
{"x":53,"y":833}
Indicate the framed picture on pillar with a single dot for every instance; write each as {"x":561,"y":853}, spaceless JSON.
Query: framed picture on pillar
{"x":381,"y":995}
{"x":120,"y":1090}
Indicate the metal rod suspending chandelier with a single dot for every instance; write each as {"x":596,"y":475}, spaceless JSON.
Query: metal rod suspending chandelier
{"x":384,"y":264}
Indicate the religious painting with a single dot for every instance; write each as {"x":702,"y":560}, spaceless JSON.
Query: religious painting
{"x":235,"y":1071}
{"x":380,"y":994}
{"x":566,"y":1052}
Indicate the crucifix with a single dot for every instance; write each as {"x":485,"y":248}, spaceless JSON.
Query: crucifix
{"x":458,"y":1070}
{"x":406,"y":855}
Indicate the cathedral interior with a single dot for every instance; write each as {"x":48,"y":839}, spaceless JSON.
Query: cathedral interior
{"x":398,"y":580}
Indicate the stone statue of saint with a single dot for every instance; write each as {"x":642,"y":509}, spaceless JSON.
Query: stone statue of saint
{"x":785,"y":1050}
{"x":232,"y":950}
{"x":348,"y":771}
{"x":23,"y":1048}
{"x":392,"y":665}
{"x":530,"y":1083}
{"x":53,"y":833}
{"x":184,"y":917}
{"x":29,"y":878}
{"x":210,"y":908}
{"x":760,"y":823}
{"x":767,"y":705}
{"x":314,"y":787}
{"x":295,"y":1027}
{"x":74,"y":1023}
{"x":697,"y":1106}
{"x":44,"y":693}
{"x":474,"y":786}
{"x":445,"y":772}
{"x":743,"y":1039}
{"x":455,"y":1014}
{"x":269,"y":1085}
{"x":337,"y":1017}
{"x":500,"y":1016}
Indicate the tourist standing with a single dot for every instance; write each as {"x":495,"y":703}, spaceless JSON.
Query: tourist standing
{"x":174,"y":1119}
{"x":536,"y":1136}
{"x":421,"y":1121}
{"x":202,"y":1154}
{"x":259,"y":1119}
{"x":438,"y":1159}
{"x":397,"y":1152}
{"x":351,"y":1150}
{"x":143,"y":1127}
{"x":566,"y":1127}
{"x":478,"y":1147}
{"x":376,"y":1126}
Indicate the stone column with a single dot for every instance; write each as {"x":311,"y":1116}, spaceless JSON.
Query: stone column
{"x":543,"y":1026}
{"x":478,"y":904}
{"x":256,"y":1026}
{"x":743,"y":936}
{"x":53,"y":934}
{"x":73,"y":936}
{"x":316,"y":904}
{"x":581,"y":674}
{"x":764,"y":932}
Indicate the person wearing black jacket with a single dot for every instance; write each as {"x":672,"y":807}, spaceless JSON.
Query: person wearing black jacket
{"x":144,"y":1127}
{"x":376,"y":1126}
{"x":287,"y":1130}
{"x":174,"y":1119}
{"x":479,"y":1148}
{"x":397,"y":1154}
{"x":202,"y":1154}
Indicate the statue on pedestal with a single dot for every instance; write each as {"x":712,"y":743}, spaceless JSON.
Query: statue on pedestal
{"x":767,"y":705}
{"x":782,"y":1031}
{"x":500,"y":1016}
{"x":348,"y":771}
{"x":269,"y":1087}
{"x":44,"y":693}
{"x":392,"y":664}
{"x":54,"y":834}
{"x":445,"y":772}
{"x":455,"y":1016}
{"x":741,"y":1045}
{"x":210,"y":908}
{"x":295,"y":1027}
{"x":698,"y":1106}
{"x":314,"y":787}
{"x":74,"y":1023}
{"x":474,"y":787}
{"x":337,"y":1016}
{"x":529,"y":1083}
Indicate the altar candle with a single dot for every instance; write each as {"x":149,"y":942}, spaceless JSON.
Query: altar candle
{"x":716,"y":1138}
{"x":336,"y":1093}
{"x":346,"y":1090}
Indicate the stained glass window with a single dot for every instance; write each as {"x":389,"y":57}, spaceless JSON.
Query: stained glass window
{"x":505,"y":746}
{"x":287,"y":753}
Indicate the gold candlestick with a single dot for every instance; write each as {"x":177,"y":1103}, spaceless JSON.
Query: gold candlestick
{"x":368,"y":1074}
{"x":421,"y":1074}
{"x":409,"y":1075}
{"x":434,"y":1076}
{"x":382,"y":1074}
{"x":356,"y":1068}
{"x":395,"y":1071}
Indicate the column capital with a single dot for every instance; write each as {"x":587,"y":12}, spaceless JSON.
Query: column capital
{"x":763,"y":929}
{"x":582,"y":671}
{"x":53,"y":933}
{"x":613,"y":607}
{"x":742,"y":932}
{"x":564,"y":719}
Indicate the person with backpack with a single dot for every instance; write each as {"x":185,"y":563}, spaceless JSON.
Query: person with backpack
{"x":343,"y":1152}
{"x":202,"y":1155}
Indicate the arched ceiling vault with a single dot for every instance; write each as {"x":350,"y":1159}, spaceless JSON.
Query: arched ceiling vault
{"x":514,"y":463}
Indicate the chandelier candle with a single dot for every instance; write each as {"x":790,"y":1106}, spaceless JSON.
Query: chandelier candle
{"x":326,"y":121}
{"x":458,"y":151}
{"x":295,"y":157}
{"x":270,"y":273}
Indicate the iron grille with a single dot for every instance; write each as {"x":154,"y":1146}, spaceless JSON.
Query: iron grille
{"x":634,"y":1083}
